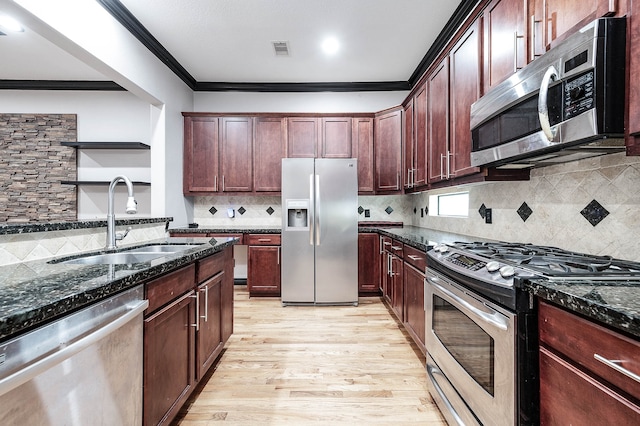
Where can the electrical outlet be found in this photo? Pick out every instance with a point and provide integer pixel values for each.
(421, 212)
(367, 213)
(488, 216)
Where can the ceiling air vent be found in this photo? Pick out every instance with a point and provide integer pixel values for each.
(281, 48)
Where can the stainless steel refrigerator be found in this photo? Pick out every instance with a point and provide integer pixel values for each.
(319, 262)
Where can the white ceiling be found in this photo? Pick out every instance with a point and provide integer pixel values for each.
(230, 40)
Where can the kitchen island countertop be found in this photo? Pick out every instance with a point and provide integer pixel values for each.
(35, 292)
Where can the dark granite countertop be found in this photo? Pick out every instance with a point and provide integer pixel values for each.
(24, 228)
(614, 303)
(239, 230)
(35, 292)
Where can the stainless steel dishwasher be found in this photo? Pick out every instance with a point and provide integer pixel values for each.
(83, 369)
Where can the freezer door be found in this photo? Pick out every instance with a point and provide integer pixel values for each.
(336, 219)
(297, 263)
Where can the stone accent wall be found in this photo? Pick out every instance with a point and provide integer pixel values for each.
(33, 165)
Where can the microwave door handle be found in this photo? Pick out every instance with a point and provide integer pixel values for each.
(543, 108)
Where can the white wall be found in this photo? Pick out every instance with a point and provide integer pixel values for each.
(324, 102)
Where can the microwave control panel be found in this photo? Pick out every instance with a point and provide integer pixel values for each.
(578, 95)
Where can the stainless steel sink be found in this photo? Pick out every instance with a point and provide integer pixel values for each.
(122, 258)
(163, 248)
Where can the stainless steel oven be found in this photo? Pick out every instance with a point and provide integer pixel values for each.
(473, 340)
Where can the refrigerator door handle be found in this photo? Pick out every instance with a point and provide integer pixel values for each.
(318, 206)
(312, 219)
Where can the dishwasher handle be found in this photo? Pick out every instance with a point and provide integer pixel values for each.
(29, 372)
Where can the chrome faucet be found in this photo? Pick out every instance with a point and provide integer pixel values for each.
(132, 208)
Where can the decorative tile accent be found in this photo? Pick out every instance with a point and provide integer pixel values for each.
(594, 212)
(270, 210)
(524, 211)
(415, 210)
(482, 210)
(360, 210)
(389, 210)
(213, 210)
(426, 210)
(241, 210)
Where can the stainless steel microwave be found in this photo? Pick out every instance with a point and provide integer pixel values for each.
(566, 105)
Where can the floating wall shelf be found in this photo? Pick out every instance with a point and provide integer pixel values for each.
(97, 183)
(107, 145)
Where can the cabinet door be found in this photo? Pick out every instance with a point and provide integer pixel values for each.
(368, 263)
(414, 319)
(263, 270)
(564, 16)
(387, 284)
(209, 331)
(169, 358)
(362, 141)
(226, 310)
(465, 89)
(419, 175)
(302, 137)
(336, 137)
(397, 287)
(270, 147)
(388, 150)
(438, 121)
(408, 145)
(236, 154)
(505, 40)
(200, 154)
(633, 39)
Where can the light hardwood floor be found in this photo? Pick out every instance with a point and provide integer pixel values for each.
(314, 365)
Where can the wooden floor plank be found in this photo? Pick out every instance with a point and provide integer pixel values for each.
(314, 365)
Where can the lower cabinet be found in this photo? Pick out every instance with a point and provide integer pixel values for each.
(186, 325)
(368, 264)
(263, 265)
(586, 371)
(414, 275)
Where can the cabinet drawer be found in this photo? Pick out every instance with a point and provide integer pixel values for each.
(263, 239)
(584, 342)
(169, 287)
(415, 258)
(240, 237)
(386, 244)
(209, 266)
(397, 248)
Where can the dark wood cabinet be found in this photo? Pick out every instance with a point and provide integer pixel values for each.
(438, 122)
(263, 265)
(388, 151)
(408, 145)
(466, 88)
(415, 140)
(236, 159)
(368, 264)
(505, 40)
(335, 137)
(581, 381)
(414, 275)
(200, 172)
(302, 137)
(188, 321)
(270, 147)
(396, 274)
(362, 144)
(633, 108)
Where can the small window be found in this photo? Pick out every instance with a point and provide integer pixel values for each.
(455, 204)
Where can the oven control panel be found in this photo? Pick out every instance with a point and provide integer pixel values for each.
(465, 261)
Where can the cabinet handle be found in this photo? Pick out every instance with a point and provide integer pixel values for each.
(215, 183)
(533, 55)
(206, 304)
(222, 183)
(612, 7)
(197, 324)
(449, 157)
(390, 265)
(412, 257)
(442, 157)
(264, 240)
(278, 255)
(398, 180)
(515, 51)
(396, 248)
(615, 364)
(386, 243)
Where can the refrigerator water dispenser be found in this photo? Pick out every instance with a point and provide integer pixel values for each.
(298, 215)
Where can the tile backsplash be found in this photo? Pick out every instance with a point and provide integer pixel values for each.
(590, 206)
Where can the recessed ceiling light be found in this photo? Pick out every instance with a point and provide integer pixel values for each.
(9, 24)
(330, 45)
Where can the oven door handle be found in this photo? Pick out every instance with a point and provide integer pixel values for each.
(543, 108)
(483, 312)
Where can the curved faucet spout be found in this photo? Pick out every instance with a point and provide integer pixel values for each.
(111, 220)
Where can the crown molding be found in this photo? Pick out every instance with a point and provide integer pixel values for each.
(108, 86)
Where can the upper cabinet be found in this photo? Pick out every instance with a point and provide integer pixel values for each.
(315, 137)
(362, 139)
(505, 40)
(217, 154)
(452, 86)
(415, 140)
(270, 147)
(388, 151)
